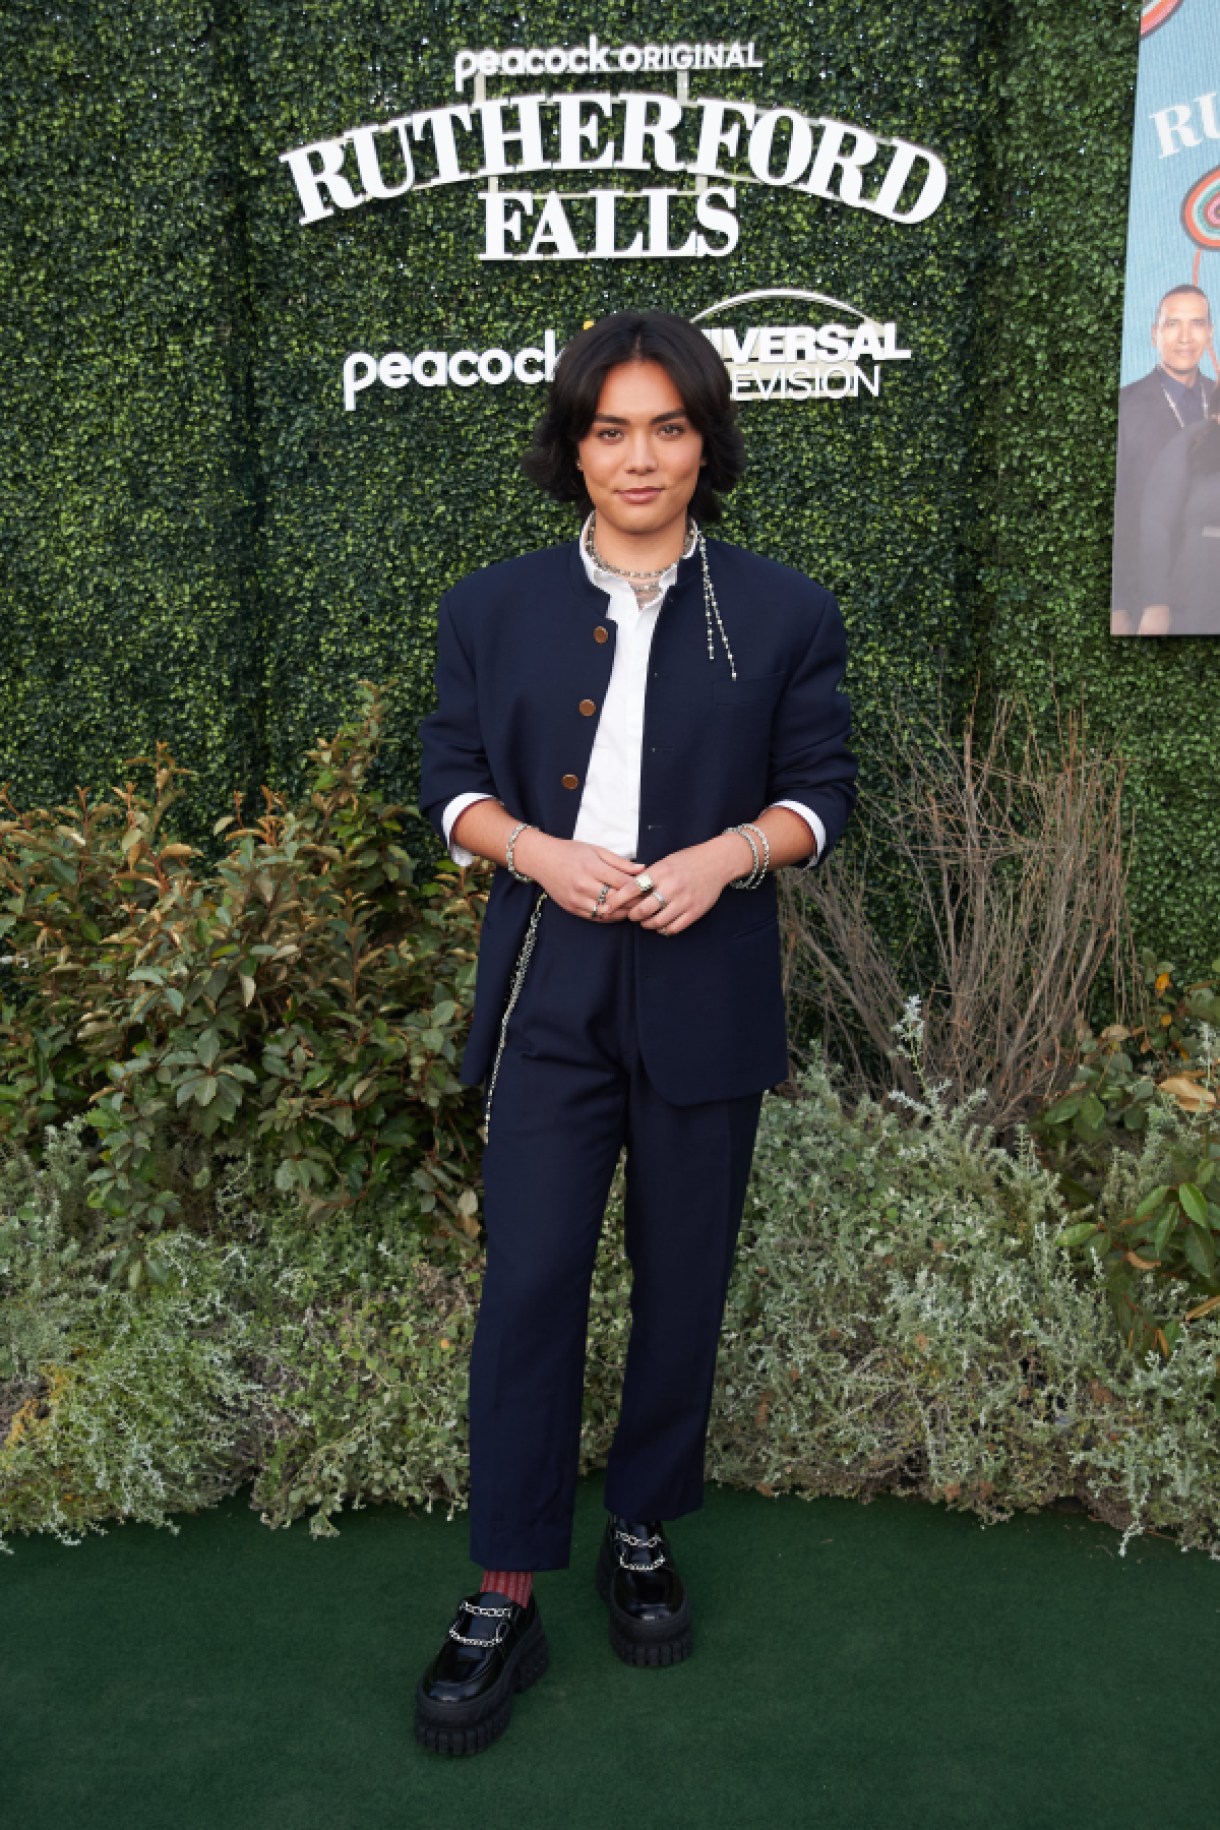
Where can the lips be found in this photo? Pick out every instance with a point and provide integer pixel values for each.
(639, 495)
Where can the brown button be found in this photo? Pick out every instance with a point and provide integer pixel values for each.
(601, 633)
(571, 781)
(587, 708)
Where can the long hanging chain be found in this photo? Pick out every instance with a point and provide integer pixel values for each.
(647, 591)
(523, 960)
(712, 609)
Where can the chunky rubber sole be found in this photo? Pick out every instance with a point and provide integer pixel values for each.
(642, 1642)
(470, 1728)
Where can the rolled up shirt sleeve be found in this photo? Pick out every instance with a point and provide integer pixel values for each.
(815, 826)
(449, 819)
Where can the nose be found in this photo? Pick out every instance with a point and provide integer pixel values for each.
(640, 454)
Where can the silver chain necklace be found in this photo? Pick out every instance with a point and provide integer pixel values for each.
(622, 571)
(711, 609)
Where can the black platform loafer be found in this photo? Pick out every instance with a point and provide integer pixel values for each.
(649, 1607)
(493, 1649)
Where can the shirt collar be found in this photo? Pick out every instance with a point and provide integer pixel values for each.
(1183, 391)
(604, 580)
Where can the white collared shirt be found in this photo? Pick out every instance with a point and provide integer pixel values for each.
(609, 812)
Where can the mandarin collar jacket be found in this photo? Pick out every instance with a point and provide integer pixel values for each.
(520, 645)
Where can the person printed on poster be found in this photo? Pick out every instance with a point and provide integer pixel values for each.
(1180, 533)
(1168, 406)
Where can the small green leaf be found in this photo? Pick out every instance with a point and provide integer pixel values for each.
(1194, 1201)
(1077, 1234)
(1164, 1228)
(1201, 1252)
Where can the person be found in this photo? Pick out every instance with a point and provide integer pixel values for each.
(638, 727)
(1180, 534)
(1152, 411)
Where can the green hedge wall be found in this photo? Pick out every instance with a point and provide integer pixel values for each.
(131, 605)
(200, 544)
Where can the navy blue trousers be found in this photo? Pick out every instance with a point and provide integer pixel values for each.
(571, 1092)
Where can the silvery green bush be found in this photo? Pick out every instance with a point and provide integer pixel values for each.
(904, 1317)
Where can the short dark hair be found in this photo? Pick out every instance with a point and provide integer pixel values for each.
(692, 365)
(1173, 292)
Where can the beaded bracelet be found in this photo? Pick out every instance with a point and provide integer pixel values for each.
(766, 845)
(759, 870)
(514, 835)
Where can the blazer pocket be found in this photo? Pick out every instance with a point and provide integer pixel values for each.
(752, 690)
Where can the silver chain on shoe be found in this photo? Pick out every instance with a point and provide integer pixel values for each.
(625, 1537)
(499, 1615)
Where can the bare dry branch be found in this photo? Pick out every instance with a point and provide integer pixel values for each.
(1011, 853)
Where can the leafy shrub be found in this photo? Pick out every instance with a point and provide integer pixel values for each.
(902, 1318)
(362, 1348)
(303, 997)
(1135, 1144)
(114, 1405)
(1112, 1076)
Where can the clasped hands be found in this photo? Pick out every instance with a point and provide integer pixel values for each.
(572, 873)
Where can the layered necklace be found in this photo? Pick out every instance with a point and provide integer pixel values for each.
(647, 587)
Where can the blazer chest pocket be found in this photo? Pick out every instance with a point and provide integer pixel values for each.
(747, 690)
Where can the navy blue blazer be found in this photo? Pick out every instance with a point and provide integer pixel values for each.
(520, 644)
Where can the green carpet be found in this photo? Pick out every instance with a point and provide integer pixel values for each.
(856, 1668)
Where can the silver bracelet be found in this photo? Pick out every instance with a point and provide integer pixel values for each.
(766, 845)
(514, 835)
(754, 876)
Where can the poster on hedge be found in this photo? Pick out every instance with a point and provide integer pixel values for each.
(1166, 574)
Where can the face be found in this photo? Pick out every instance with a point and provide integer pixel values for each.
(1180, 334)
(641, 456)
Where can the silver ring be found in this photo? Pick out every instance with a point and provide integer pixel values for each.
(662, 901)
(644, 882)
(600, 903)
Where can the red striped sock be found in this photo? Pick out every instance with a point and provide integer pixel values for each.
(517, 1584)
